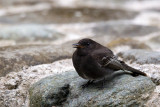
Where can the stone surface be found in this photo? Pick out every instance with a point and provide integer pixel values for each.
(141, 56)
(151, 70)
(154, 100)
(14, 86)
(65, 90)
(132, 43)
(18, 57)
(26, 33)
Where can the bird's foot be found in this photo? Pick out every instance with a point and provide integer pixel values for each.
(102, 85)
(131, 73)
(87, 84)
(134, 74)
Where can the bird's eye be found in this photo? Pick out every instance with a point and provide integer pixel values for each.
(88, 43)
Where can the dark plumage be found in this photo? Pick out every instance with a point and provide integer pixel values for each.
(93, 61)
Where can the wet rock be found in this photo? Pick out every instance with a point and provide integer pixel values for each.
(65, 90)
(123, 29)
(141, 56)
(26, 33)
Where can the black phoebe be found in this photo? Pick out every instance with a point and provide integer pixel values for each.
(93, 61)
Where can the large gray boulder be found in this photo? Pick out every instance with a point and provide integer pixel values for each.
(65, 90)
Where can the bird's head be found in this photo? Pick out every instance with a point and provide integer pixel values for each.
(85, 45)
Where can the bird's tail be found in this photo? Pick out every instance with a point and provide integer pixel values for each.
(133, 70)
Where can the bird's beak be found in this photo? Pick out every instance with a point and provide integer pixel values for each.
(77, 45)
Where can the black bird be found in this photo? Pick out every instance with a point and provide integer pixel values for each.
(93, 61)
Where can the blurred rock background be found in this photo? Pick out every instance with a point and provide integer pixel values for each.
(36, 39)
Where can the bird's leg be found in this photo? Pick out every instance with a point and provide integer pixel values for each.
(87, 84)
(102, 85)
(103, 82)
(134, 74)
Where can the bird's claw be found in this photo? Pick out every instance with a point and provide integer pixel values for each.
(134, 74)
(102, 85)
(87, 84)
(84, 86)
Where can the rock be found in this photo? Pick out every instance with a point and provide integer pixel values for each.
(154, 98)
(66, 15)
(15, 58)
(152, 70)
(65, 90)
(61, 92)
(14, 86)
(26, 33)
(134, 44)
(123, 29)
(140, 56)
(146, 61)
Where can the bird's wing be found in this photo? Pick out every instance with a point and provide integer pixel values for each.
(112, 62)
(108, 60)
